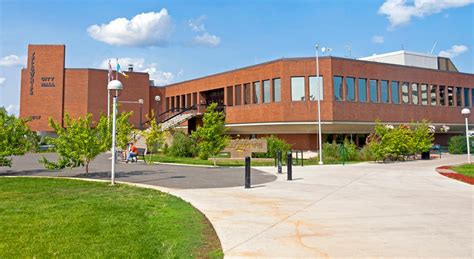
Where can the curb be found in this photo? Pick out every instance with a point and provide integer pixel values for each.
(447, 172)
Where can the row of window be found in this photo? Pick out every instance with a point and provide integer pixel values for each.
(265, 91)
(385, 91)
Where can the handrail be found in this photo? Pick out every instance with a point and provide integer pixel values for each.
(181, 111)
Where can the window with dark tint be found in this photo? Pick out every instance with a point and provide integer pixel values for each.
(414, 93)
(338, 88)
(195, 99)
(188, 100)
(276, 90)
(466, 97)
(450, 96)
(266, 91)
(230, 96)
(297, 89)
(458, 96)
(350, 89)
(246, 93)
(434, 95)
(178, 103)
(362, 89)
(374, 91)
(405, 90)
(256, 92)
(183, 101)
(167, 103)
(442, 95)
(384, 91)
(313, 86)
(395, 92)
(238, 94)
(424, 94)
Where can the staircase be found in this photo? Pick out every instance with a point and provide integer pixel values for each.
(177, 120)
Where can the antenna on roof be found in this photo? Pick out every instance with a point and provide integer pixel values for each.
(349, 48)
(432, 49)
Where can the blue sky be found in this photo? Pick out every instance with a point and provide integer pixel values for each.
(179, 40)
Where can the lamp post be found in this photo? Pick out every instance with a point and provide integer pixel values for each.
(318, 90)
(117, 86)
(140, 102)
(157, 99)
(466, 112)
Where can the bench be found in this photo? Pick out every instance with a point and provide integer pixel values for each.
(141, 152)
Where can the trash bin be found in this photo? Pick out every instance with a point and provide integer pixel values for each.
(425, 155)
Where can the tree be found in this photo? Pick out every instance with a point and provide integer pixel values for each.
(154, 136)
(211, 136)
(423, 137)
(123, 127)
(77, 144)
(16, 138)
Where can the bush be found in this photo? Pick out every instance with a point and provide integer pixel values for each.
(365, 154)
(182, 146)
(330, 152)
(351, 150)
(458, 145)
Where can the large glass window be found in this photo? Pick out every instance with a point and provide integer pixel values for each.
(276, 90)
(230, 96)
(362, 89)
(238, 94)
(450, 96)
(313, 85)
(350, 89)
(434, 95)
(384, 91)
(442, 95)
(266, 91)
(177, 98)
(458, 96)
(414, 93)
(256, 92)
(466, 97)
(195, 99)
(424, 94)
(395, 92)
(247, 93)
(405, 90)
(338, 88)
(297, 89)
(374, 91)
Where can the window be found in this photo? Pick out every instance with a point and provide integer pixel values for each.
(424, 94)
(266, 91)
(395, 92)
(338, 88)
(195, 99)
(297, 89)
(374, 91)
(177, 100)
(414, 93)
(256, 92)
(230, 96)
(313, 85)
(362, 89)
(450, 96)
(238, 94)
(167, 103)
(466, 97)
(246, 93)
(442, 95)
(350, 89)
(188, 100)
(405, 90)
(434, 95)
(276, 90)
(384, 91)
(458, 96)
(183, 101)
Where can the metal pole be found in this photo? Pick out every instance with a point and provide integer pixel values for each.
(318, 85)
(468, 144)
(114, 151)
(247, 172)
(108, 108)
(279, 162)
(289, 165)
(141, 124)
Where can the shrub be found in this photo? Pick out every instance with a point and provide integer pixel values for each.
(182, 146)
(273, 145)
(330, 152)
(458, 145)
(365, 154)
(351, 150)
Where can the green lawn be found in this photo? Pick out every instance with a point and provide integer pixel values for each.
(465, 169)
(42, 218)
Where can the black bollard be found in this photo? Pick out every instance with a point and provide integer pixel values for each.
(279, 161)
(247, 172)
(289, 166)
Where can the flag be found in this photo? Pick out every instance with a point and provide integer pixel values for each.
(119, 70)
(110, 76)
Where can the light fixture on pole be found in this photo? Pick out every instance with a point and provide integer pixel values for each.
(141, 102)
(117, 86)
(318, 90)
(466, 112)
(157, 100)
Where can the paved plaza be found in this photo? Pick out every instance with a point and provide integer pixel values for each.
(402, 209)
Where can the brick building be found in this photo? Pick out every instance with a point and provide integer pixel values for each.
(277, 97)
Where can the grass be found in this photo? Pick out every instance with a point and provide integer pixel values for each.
(466, 169)
(43, 218)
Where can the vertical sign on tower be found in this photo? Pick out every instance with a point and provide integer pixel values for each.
(32, 73)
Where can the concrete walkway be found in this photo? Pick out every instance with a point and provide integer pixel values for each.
(359, 210)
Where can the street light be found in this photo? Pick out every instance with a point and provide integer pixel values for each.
(140, 101)
(318, 90)
(117, 86)
(157, 99)
(466, 113)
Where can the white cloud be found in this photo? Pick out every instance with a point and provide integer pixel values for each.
(2, 80)
(454, 51)
(13, 60)
(400, 12)
(197, 24)
(207, 39)
(13, 109)
(145, 29)
(377, 39)
(160, 77)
